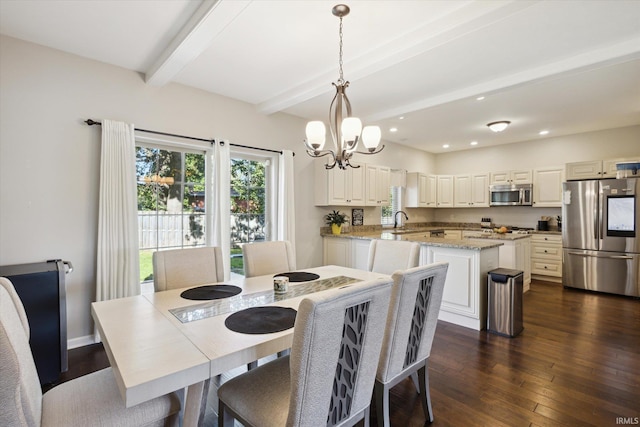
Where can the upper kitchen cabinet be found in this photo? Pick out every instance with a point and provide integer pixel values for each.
(444, 193)
(338, 187)
(471, 191)
(378, 182)
(421, 190)
(594, 169)
(511, 177)
(547, 187)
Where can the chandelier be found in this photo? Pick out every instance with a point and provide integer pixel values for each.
(346, 131)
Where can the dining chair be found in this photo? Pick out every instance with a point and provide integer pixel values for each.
(328, 377)
(180, 268)
(272, 257)
(387, 256)
(411, 325)
(88, 400)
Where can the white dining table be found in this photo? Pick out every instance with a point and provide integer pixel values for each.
(160, 342)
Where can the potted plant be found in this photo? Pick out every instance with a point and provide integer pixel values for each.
(335, 219)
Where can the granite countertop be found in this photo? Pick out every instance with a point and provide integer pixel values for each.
(421, 237)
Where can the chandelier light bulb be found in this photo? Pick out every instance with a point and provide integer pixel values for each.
(371, 136)
(351, 128)
(316, 134)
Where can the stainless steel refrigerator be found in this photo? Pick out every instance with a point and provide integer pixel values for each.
(600, 239)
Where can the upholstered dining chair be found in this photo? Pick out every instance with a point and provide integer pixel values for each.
(328, 377)
(387, 256)
(271, 257)
(411, 324)
(88, 400)
(180, 268)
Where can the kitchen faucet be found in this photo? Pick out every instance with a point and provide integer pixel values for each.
(395, 218)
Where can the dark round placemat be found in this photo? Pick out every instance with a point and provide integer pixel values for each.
(208, 292)
(299, 276)
(261, 320)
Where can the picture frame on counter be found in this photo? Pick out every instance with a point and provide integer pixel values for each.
(357, 216)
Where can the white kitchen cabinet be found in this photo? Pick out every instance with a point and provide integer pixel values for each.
(444, 193)
(515, 254)
(471, 191)
(511, 177)
(360, 254)
(338, 187)
(547, 187)
(421, 190)
(594, 169)
(464, 299)
(378, 184)
(336, 251)
(546, 257)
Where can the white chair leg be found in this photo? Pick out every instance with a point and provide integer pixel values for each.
(423, 375)
(381, 395)
(416, 383)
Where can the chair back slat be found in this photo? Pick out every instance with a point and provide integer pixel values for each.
(412, 318)
(340, 332)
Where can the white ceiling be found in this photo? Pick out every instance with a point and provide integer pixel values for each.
(564, 66)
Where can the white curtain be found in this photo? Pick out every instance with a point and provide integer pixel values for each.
(118, 265)
(218, 206)
(286, 206)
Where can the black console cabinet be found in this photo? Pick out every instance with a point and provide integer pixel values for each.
(41, 287)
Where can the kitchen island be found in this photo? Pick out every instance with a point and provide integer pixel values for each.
(464, 301)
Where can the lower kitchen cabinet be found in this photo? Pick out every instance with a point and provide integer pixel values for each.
(464, 299)
(516, 254)
(546, 257)
(360, 254)
(346, 252)
(336, 251)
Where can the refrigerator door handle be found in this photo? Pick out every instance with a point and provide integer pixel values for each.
(602, 256)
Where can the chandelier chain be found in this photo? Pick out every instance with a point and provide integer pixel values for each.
(341, 79)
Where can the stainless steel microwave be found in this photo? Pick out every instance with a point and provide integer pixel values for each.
(511, 195)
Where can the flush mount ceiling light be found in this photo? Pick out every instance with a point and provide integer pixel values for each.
(347, 132)
(499, 126)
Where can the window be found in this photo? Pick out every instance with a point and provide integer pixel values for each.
(388, 211)
(251, 178)
(171, 200)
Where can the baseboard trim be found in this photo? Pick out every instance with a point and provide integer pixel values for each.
(80, 342)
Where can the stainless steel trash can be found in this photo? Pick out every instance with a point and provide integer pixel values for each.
(504, 314)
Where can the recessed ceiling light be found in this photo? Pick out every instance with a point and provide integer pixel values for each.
(474, 143)
(445, 146)
(401, 118)
(393, 130)
(543, 132)
(480, 98)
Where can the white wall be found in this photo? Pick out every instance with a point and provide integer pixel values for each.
(49, 159)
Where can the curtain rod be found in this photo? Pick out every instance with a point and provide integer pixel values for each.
(91, 122)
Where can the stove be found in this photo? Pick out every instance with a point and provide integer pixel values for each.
(521, 230)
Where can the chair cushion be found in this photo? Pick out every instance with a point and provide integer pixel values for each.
(94, 399)
(17, 302)
(388, 256)
(261, 395)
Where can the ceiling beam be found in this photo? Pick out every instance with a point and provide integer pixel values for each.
(468, 18)
(211, 18)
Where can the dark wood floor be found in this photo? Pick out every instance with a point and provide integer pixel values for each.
(577, 363)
